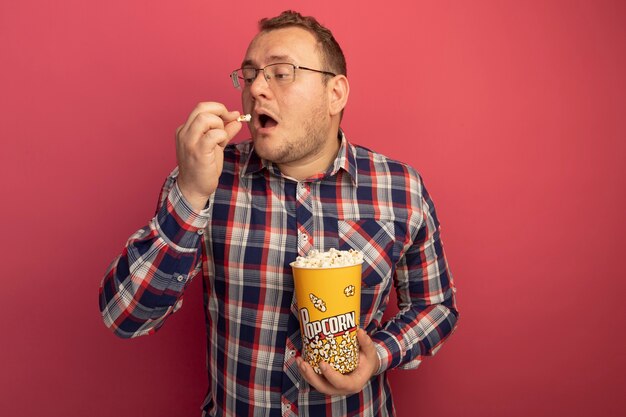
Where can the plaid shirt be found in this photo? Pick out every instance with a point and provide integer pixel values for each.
(254, 225)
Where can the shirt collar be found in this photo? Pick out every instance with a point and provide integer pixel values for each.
(345, 160)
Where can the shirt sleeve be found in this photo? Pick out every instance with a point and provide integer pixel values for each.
(426, 295)
(145, 283)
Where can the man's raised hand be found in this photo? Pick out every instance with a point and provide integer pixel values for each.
(200, 144)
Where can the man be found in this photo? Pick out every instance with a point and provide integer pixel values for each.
(239, 214)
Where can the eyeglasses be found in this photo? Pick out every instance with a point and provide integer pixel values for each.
(279, 73)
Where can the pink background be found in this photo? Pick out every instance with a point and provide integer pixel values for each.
(514, 112)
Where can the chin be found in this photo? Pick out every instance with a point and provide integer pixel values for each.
(265, 150)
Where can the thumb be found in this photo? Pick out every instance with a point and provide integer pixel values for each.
(365, 341)
(368, 349)
(231, 125)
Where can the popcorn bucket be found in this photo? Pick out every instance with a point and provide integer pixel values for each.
(329, 304)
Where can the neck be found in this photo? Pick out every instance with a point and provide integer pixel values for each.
(316, 164)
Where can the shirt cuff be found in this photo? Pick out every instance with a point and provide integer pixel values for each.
(388, 351)
(179, 224)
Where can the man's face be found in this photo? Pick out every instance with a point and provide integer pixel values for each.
(291, 123)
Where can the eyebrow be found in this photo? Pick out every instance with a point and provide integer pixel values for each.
(272, 59)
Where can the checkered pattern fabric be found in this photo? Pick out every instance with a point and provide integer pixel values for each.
(254, 225)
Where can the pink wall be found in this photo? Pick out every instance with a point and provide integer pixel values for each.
(514, 112)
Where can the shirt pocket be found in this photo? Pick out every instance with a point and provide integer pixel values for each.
(375, 239)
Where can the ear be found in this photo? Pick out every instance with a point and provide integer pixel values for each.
(338, 91)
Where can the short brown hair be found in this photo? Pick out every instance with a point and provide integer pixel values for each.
(332, 55)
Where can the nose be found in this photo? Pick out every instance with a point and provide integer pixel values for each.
(260, 86)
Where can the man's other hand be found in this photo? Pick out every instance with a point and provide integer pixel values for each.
(332, 382)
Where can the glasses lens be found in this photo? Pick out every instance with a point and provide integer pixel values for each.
(248, 75)
(234, 77)
(281, 73)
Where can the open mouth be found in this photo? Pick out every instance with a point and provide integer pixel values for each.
(266, 121)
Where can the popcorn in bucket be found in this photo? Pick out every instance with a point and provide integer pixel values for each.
(328, 294)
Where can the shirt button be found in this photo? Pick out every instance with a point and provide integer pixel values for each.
(304, 237)
(200, 232)
(286, 407)
(180, 278)
(292, 353)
